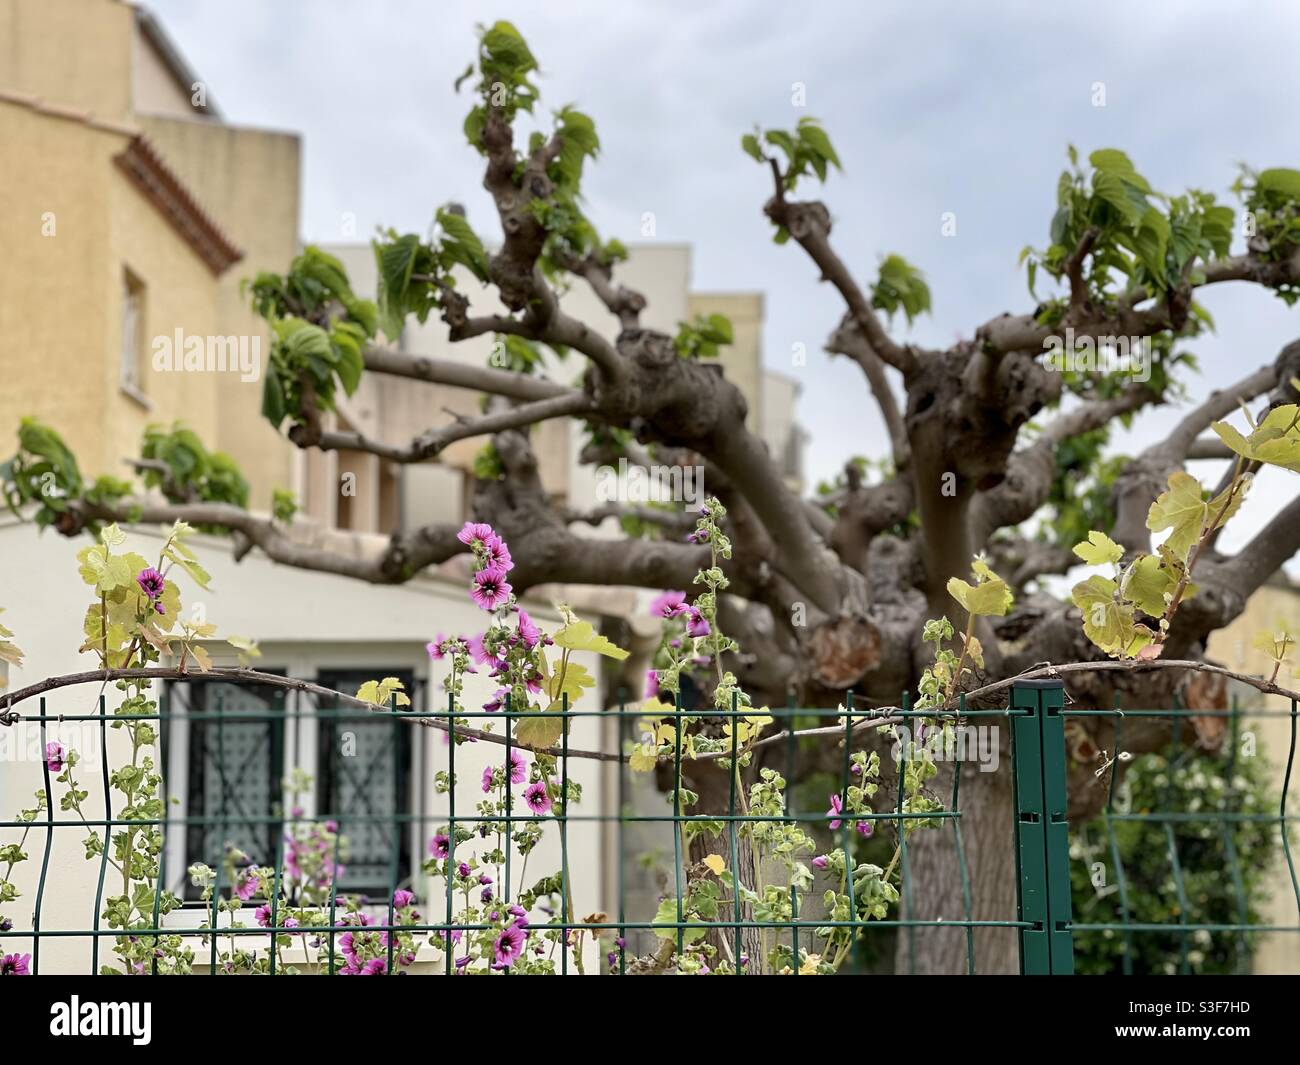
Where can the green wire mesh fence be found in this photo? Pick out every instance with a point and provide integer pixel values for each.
(163, 910)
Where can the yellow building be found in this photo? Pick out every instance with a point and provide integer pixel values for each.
(131, 214)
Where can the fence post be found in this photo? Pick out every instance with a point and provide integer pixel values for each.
(1042, 829)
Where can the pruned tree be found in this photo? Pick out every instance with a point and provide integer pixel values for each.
(997, 443)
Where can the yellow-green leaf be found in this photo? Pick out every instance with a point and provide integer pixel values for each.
(1145, 584)
(580, 636)
(573, 682)
(987, 599)
(1182, 510)
(1099, 550)
(715, 863)
(539, 730)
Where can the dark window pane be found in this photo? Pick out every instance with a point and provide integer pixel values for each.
(235, 769)
(365, 771)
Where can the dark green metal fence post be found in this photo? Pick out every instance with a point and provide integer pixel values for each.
(1042, 829)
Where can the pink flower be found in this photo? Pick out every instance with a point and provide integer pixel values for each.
(508, 946)
(263, 915)
(837, 807)
(528, 632)
(477, 651)
(15, 965)
(537, 799)
(248, 884)
(440, 846)
(820, 862)
(54, 753)
(696, 625)
(518, 767)
(651, 684)
(668, 604)
(435, 649)
(490, 589)
(497, 701)
(864, 829)
(498, 554)
(475, 532)
(487, 779)
(402, 898)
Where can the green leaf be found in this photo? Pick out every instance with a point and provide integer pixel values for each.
(461, 243)
(1281, 180)
(749, 144)
(1146, 582)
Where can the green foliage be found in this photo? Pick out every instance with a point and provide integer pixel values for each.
(1140, 235)
(807, 150)
(505, 67)
(284, 505)
(192, 472)
(1272, 199)
(900, 286)
(702, 338)
(1179, 779)
(44, 472)
(319, 333)
(487, 463)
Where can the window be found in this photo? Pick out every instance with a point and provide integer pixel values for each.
(364, 769)
(229, 772)
(229, 775)
(131, 377)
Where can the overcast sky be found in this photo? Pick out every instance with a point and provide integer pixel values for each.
(933, 108)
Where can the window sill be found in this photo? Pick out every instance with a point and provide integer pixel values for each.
(136, 396)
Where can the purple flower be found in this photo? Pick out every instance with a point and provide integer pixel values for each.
(54, 753)
(153, 585)
(6, 925)
(865, 829)
(462, 869)
(518, 766)
(402, 898)
(820, 862)
(483, 878)
(440, 846)
(348, 945)
(537, 799)
(475, 532)
(17, 964)
(291, 922)
(651, 684)
(668, 604)
(699, 536)
(837, 807)
(498, 554)
(487, 784)
(263, 915)
(490, 588)
(509, 945)
(696, 625)
(435, 649)
(528, 632)
(486, 894)
(497, 701)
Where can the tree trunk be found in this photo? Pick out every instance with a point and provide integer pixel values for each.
(934, 883)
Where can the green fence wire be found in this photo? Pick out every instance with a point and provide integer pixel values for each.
(1038, 837)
